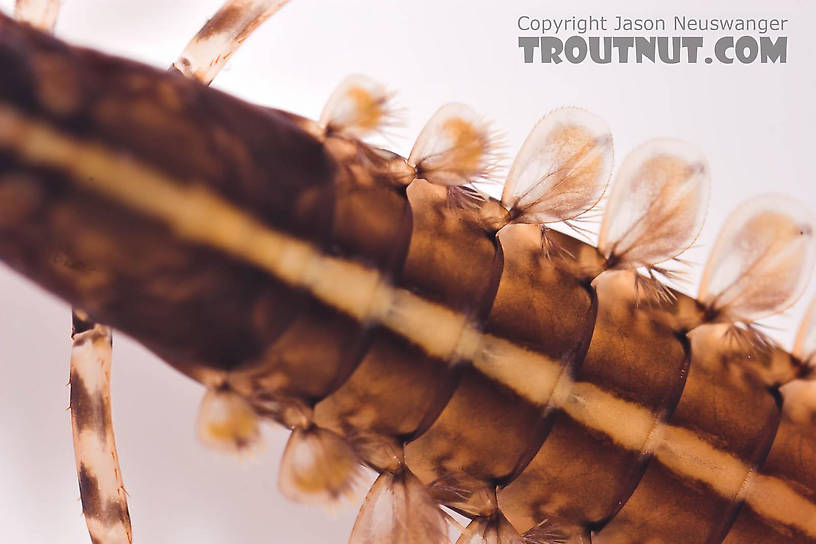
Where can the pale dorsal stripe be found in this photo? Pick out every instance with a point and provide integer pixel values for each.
(197, 214)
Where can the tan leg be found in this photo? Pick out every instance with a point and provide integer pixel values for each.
(214, 44)
(104, 501)
(38, 13)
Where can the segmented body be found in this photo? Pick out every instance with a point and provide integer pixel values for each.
(406, 320)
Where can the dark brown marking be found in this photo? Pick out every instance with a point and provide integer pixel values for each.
(224, 18)
(59, 90)
(20, 196)
(89, 491)
(87, 407)
(80, 323)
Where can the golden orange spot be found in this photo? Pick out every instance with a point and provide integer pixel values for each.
(368, 108)
(227, 421)
(468, 144)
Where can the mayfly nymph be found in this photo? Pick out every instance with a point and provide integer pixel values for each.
(393, 315)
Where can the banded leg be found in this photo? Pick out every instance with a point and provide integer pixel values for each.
(104, 501)
(222, 35)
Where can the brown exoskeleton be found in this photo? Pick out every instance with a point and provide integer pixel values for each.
(393, 315)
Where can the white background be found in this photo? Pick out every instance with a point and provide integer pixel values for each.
(754, 122)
